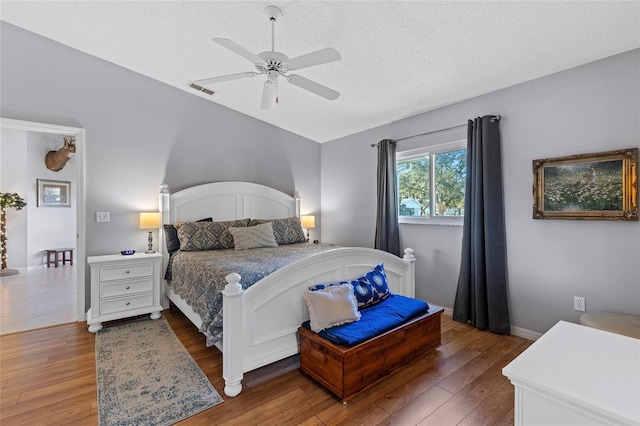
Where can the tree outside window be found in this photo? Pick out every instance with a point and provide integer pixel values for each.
(432, 184)
(450, 176)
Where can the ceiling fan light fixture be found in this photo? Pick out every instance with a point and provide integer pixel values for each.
(275, 64)
(269, 94)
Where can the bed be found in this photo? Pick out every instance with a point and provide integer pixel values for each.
(260, 323)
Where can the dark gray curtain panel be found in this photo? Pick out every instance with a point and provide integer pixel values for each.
(387, 230)
(481, 298)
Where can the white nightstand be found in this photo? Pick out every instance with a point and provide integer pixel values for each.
(124, 286)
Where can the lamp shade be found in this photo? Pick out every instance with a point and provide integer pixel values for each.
(308, 221)
(150, 220)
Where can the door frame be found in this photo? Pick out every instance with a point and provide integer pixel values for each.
(79, 156)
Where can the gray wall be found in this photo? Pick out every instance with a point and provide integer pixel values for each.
(591, 108)
(140, 133)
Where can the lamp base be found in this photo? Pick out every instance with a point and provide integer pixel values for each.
(150, 249)
(7, 272)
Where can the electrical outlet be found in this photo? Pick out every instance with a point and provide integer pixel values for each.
(578, 304)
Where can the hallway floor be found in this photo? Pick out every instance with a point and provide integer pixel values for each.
(38, 298)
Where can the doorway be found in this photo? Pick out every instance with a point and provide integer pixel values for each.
(79, 134)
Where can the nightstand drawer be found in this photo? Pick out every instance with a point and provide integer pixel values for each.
(126, 271)
(126, 287)
(125, 303)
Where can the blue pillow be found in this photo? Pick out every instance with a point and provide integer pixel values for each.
(369, 288)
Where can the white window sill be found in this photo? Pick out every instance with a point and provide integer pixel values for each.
(447, 221)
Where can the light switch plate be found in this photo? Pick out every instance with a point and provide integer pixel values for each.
(102, 217)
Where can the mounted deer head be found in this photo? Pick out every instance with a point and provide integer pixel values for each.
(55, 160)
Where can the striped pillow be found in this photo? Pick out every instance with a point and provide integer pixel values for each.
(253, 237)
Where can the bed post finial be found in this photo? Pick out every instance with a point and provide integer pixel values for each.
(408, 255)
(233, 283)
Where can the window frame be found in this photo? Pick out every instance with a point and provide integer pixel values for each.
(432, 151)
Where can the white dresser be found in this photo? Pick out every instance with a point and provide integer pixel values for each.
(124, 286)
(577, 375)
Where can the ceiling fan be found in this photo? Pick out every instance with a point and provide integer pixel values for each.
(275, 64)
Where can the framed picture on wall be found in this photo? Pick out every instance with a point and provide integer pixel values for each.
(587, 186)
(53, 193)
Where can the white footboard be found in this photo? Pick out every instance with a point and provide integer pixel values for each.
(260, 324)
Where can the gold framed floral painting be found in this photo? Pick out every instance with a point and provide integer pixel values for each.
(600, 186)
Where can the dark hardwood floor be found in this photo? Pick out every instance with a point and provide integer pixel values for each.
(47, 377)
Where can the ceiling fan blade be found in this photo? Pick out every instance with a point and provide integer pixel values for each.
(313, 87)
(239, 50)
(314, 58)
(269, 94)
(222, 78)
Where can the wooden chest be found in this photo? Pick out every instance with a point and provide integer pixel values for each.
(347, 371)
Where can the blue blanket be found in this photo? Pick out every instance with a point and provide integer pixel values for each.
(376, 319)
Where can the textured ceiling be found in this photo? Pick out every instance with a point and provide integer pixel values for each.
(399, 58)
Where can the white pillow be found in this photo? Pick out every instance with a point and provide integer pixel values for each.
(331, 306)
(253, 237)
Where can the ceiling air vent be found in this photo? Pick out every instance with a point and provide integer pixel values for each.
(201, 89)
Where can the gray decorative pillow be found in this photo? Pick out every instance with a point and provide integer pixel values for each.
(198, 236)
(253, 236)
(286, 231)
(171, 236)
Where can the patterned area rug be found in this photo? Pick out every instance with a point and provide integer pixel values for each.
(147, 377)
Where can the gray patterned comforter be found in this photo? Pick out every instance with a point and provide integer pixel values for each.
(199, 276)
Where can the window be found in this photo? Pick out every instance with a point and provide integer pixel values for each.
(431, 183)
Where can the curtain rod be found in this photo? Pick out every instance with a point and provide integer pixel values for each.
(497, 117)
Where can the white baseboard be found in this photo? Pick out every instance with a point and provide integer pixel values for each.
(516, 331)
(525, 333)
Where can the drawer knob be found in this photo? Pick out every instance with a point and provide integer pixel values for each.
(126, 272)
(127, 287)
(127, 303)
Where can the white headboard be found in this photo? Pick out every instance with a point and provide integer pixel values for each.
(225, 201)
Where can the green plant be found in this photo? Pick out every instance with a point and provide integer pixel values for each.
(7, 201)
(13, 200)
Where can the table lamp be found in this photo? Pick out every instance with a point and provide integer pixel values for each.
(150, 221)
(308, 222)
